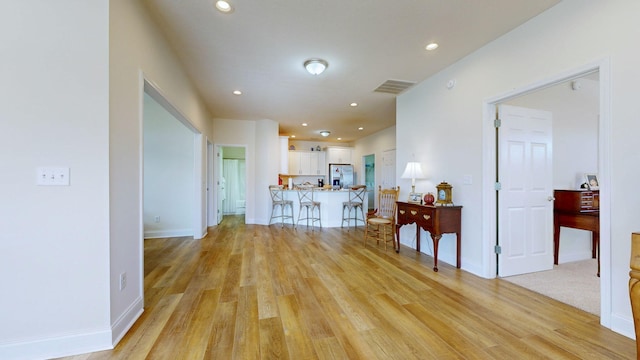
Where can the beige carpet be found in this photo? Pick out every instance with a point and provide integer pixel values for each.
(573, 283)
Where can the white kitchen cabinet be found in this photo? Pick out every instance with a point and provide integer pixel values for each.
(307, 163)
(294, 163)
(339, 155)
(317, 163)
(284, 155)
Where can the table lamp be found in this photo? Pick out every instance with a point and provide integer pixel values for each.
(413, 171)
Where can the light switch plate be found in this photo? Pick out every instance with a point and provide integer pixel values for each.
(52, 176)
(467, 179)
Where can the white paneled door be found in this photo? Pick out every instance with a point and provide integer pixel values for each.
(525, 200)
(389, 169)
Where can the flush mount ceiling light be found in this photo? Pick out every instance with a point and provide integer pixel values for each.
(224, 6)
(325, 133)
(431, 46)
(315, 66)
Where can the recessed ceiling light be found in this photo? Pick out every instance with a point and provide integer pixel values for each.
(353, 104)
(293, 136)
(237, 92)
(305, 124)
(432, 46)
(339, 138)
(360, 128)
(224, 6)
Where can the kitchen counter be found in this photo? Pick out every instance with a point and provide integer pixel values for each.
(331, 206)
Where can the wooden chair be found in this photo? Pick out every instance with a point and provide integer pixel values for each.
(381, 224)
(356, 201)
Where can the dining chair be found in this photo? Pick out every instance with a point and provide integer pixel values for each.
(381, 223)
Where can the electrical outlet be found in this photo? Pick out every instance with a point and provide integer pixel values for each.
(123, 281)
(157, 219)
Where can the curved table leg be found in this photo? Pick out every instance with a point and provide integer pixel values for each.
(436, 241)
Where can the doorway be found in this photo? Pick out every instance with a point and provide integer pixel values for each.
(168, 173)
(230, 180)
(602, 150)
(370, 179)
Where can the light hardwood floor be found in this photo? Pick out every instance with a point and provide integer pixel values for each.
(266, 292)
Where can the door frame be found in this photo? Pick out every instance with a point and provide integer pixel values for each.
(199, 222)
(489, 170)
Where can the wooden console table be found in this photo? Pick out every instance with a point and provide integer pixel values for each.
(437, 220)
(578, 209)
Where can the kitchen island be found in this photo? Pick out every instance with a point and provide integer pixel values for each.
(330, 208)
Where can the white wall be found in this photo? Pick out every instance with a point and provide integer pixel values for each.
(262, 160)
(374, 144)
(54, 243)
(444, 127)
(168, 174)
(138, 50)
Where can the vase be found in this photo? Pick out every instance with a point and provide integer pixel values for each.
(429, 199)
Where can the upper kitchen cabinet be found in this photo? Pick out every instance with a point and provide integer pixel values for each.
(339, 155)
(307, 163)
(284, 155)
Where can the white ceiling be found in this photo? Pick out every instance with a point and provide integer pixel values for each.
(260, 48)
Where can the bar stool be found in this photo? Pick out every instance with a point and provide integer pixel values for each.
(278, 201)
(305, 196)
(356, 201)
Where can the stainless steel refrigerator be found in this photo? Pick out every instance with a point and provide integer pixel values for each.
(341, 176)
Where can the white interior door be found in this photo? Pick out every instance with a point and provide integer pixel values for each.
(388, 169)
(220, 185)
(525, 206)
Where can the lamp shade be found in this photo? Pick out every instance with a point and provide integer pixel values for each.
(413, 171)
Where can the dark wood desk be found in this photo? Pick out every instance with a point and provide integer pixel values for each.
(437, 220)
(578, 209)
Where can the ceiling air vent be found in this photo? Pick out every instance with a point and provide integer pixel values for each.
(394, 86)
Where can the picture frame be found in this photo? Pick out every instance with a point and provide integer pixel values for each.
(415, 198)
(592, 181)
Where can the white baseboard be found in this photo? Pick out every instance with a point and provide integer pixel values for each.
(73, 344)
(573, 256)
(59, 346)
(623, 325)
(125, 321)
(155, 234)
